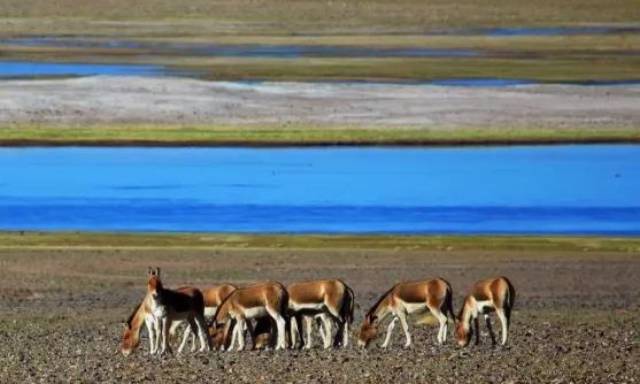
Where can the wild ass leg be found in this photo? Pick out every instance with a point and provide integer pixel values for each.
(476, 324)
(193, 342)
(201, 327)
(319, 322)
(345, 334)
(308, 325)
(280, 325)
(487, 320)
(342, 335)
(327, 321)
(151, 331)
(390, 327)
(252, 333)
(442, 319)
(241, 326)
(335, 314)
(234, 334)
(191, 329)
(165, 334)
(505, 325)
(157, 326)
(405, 326)
(295, 330)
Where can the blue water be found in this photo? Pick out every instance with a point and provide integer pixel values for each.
(591, 189)
(28, 69)
(9, 69)
(283, 51)
(542, 31)
(562, 31)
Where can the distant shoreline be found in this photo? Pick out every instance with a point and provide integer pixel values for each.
(175, 136)
(90, 240)
(293, 144)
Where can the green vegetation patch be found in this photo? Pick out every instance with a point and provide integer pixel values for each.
(393, 242)
(298, 135)
(206, 17)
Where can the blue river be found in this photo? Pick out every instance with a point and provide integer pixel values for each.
(588, 189)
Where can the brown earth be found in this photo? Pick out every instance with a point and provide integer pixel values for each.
(577, 316)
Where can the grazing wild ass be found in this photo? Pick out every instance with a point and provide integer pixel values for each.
(252, 302)
(185, 304)
(406, 298)
(131, 334)
(213, 296)
(327, 300)
(486, 296)
(143, 314)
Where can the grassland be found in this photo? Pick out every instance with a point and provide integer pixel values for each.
(177, 135)
(541, 70)
(543, 59)
(279, 17)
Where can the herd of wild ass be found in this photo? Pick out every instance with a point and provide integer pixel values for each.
(280, 311)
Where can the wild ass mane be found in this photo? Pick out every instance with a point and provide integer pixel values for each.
(133, 314)
(375, 306)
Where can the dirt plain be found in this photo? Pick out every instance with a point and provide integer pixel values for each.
(577, 315)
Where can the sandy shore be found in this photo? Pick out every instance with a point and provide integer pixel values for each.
(105, 99)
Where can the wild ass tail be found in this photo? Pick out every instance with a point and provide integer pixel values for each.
(348, 305)
(509, 300)
(448, 302)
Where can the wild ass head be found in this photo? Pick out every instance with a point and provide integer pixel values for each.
(463, 330)
(131, 333)
(368, 331)
(154, 285)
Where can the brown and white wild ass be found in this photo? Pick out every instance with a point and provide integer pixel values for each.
(327, 300)
(131, 334)
(404, 299)
(251, 302)
(214, 296)
(486, 296)
(185, 304)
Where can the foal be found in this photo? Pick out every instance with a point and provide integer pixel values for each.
(486, 296)
(406, 298)
(186, 304)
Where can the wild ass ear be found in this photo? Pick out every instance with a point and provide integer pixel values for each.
(158, 271)
(149, 271)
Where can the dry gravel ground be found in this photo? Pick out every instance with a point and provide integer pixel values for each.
(577, 316)
(105, 99)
